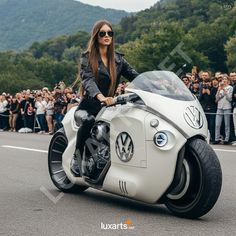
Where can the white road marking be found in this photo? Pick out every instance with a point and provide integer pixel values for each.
(224, 150)
(24, 148)
(44, 151)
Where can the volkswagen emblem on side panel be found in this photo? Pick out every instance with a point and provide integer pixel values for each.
(124, 147)
(193, 117)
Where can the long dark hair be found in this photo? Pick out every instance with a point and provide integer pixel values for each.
(93, 50)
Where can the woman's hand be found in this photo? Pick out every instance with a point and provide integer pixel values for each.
(108, 100)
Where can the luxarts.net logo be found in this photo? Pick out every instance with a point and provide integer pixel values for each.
(125, 225)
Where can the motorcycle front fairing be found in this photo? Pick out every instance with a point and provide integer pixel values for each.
(165, 95)
(150, 171)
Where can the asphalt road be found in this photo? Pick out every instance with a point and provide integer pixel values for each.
(31, 205)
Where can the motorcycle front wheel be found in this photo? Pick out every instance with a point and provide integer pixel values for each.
(58, 176)
(200, 182)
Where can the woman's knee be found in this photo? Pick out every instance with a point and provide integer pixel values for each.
(83, 117)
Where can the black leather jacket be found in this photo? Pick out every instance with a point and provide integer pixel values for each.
(91, 87)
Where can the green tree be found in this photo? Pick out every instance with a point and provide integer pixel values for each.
(230, 48)
(166, 48)
(72, 54)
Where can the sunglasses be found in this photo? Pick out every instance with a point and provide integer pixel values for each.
(104, 33)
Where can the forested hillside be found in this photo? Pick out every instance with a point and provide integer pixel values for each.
(24, 21)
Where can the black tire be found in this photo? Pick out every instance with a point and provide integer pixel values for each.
(200, 183)
(58, 176)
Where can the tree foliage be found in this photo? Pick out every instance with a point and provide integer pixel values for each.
(230, 48)
(167, 36)
(205, 27)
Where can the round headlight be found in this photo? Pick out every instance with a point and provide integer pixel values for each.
(160, 139)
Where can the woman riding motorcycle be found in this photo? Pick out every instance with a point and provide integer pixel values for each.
(100, 71)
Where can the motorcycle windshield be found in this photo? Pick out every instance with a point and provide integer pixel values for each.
(164, 83)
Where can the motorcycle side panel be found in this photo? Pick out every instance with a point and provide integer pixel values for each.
(130, 121)
(151, 170)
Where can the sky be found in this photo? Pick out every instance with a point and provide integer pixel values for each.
(127, 5)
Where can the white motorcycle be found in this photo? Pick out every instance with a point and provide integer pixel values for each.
(150, 146)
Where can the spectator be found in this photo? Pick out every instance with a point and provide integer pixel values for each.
(14, 111)
(27, 111)
(224, 107)
(207, 100)
(187, 82)
(204, 75)
(40, 106)
(215, 82)
(60, 106)
(49, 113)
(233, 80)
(68, 90)
(72, 100)
(195, 88)
(3, 112)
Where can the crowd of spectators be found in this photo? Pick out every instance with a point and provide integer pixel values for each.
(42, 111)
(38, 111)
(217, 95)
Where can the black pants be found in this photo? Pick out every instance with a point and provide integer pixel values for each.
(85, 118)
(211, 120)
(4, 120)
(29, 121)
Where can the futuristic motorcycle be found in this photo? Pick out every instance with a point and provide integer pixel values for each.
(150, 146)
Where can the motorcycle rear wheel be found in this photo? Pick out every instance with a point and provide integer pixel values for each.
(58, 176)
(200, 182)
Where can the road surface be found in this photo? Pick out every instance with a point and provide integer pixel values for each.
(31, 205)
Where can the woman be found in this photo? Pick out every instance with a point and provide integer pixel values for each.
(49, 108)
(3, 112)
(14, 111)
(224, 108)
(100, 71)
(40, 106)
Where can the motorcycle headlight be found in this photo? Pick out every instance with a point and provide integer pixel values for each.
(160, 139)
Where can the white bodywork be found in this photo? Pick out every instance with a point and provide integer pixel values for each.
(150, 172)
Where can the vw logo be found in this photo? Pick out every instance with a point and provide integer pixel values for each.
(193, 117)
(124, 147)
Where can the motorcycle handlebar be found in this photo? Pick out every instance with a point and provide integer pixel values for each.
(122, 99)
